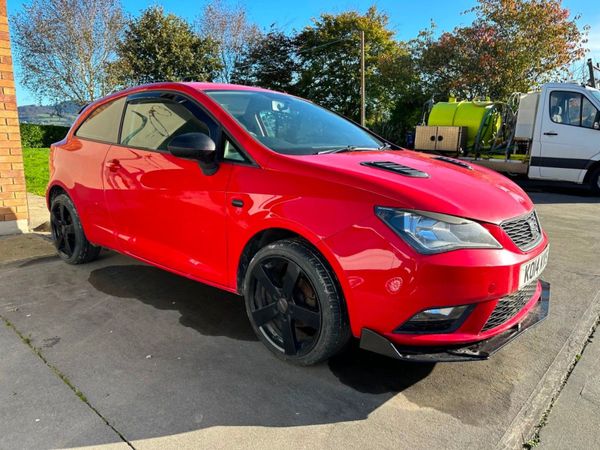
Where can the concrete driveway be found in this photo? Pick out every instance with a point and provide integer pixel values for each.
(130, 355)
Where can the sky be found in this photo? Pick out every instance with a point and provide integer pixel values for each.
(406, 17)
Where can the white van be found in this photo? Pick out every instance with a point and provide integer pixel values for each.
(561, 125)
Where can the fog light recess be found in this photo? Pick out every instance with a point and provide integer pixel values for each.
(436, 320)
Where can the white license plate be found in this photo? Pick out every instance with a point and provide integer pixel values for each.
(532, 269)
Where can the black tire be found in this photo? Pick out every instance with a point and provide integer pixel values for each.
(299, 294)
(595, 181)
(67, 233)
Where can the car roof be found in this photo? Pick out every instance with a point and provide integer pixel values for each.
(208, 86)
(202, 86)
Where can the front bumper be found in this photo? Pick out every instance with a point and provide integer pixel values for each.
(481, 350)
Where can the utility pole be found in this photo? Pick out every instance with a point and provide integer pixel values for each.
(362, 78)
(592, 81)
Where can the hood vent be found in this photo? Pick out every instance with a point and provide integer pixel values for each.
(456, 162)
(397, 168)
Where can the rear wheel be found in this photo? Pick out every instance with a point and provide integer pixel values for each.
(595, 181)
(294, 304)
(69, 239)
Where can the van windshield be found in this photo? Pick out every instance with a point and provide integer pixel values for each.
(289, 125)
(596, 93)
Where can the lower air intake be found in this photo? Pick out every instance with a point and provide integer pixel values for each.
(509, 306)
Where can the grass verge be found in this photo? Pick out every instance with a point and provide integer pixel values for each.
(35, 161)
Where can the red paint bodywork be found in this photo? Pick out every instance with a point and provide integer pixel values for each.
(163, 210)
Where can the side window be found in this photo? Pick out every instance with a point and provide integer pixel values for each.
(590, 117)
(103, 122)
(565, 107)
(152, 122)
(231, 152)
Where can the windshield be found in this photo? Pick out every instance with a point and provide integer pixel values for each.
(596, 94)
(290, 125)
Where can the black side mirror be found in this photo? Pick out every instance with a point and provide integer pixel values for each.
(196, 146)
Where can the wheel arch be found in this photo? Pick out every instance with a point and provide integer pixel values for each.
(269, 235)
(591, 170)
(53, 190)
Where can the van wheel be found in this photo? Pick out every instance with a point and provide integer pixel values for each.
(595, 181)
(69, 239)
(294, 304)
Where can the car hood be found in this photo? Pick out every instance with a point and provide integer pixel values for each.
(472, 192)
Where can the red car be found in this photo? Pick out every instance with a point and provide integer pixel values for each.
(326, 229)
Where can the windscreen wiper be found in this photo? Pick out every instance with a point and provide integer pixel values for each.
(349, 148)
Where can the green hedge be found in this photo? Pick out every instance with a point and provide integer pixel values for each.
(41, 136)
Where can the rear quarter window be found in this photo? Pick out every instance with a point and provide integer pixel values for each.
(103, 123)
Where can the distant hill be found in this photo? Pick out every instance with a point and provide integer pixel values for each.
(62, 114)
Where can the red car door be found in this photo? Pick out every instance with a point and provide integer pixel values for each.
(166, 211)
(86, 151)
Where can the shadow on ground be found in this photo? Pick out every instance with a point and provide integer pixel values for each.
(210, 311)
(213, 312)
(159, 355)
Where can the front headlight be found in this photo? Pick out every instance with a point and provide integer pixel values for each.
(430, 233)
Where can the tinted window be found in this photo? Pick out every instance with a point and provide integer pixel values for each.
(152, 122)
(589, 115)
(571, 108)
(231, 152)
(290, 125)
(565, 107)
(103, 122)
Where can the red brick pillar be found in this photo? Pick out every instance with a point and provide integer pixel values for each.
(13, 197)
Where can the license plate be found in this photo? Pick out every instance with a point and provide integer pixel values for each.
(532, 269)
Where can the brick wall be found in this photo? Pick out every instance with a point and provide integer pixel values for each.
(13, 197)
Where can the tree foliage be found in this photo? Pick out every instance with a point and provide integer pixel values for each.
(81, 49)
(228, 26)
(329, 56)
(512, 45)
(63, 47)
(163, 47)
(269, 61)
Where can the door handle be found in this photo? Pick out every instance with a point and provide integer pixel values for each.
(113, 165)
(238, 203)
(550, 133)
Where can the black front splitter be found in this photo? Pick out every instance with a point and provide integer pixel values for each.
(479, 351)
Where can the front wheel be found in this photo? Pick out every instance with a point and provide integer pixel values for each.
(294, 304)
(69, 239)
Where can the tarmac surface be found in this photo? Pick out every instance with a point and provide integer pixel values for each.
(120, 353)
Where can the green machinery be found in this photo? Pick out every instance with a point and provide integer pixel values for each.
(488, 125)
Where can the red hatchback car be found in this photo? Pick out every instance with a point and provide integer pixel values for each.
(326, 229)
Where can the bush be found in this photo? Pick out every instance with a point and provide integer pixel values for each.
(41, 136)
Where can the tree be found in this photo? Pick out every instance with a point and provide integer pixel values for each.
(63, 47)
(268, 62)
(329, 54)
(512, 45)
(163, 47)
(228, 26)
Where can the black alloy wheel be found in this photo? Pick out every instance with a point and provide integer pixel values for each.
(293, 303)
(286, 307)
(69, 239)
(63, 230)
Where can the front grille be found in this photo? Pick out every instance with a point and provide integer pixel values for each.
(509, 306)
(524, 231)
